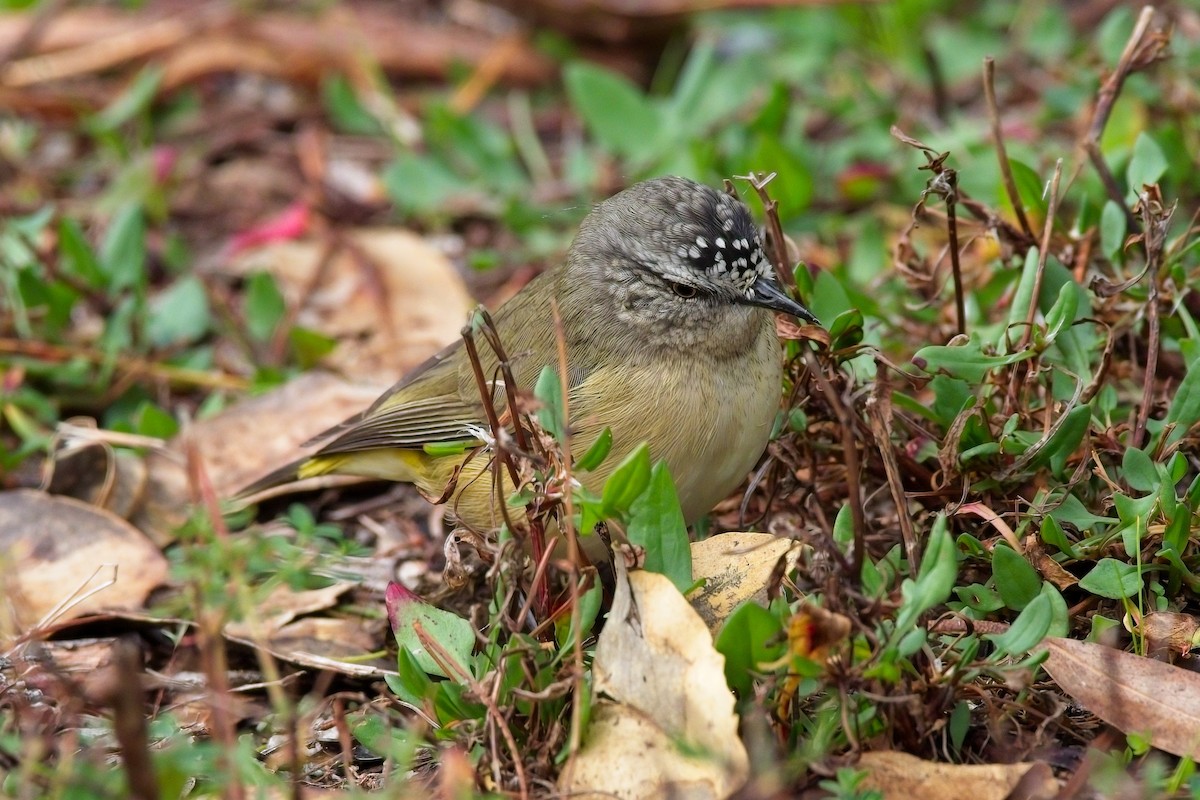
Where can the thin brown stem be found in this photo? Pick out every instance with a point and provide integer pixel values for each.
(1010, 184)
(1043, 252)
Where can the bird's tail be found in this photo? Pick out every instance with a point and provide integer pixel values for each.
(403, 466)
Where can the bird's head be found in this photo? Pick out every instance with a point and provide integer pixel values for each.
(672, 255)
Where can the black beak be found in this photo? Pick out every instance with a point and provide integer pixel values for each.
(767, 294)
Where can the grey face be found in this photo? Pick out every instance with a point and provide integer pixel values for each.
(681, 253)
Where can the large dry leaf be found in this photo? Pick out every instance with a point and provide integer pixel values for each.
(1132, 693)
(902, 775)
(736, 567)
(56, 550)
(666, 714)
(244, 442)
(388, 297)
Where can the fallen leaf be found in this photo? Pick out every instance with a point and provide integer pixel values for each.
(244, 442)
(57, 550)
(736, 567)
(387, 296)
(283, 605)
(1132, 693)
(1170, 635)
(666, 714)
(101, 476)
(898, 774)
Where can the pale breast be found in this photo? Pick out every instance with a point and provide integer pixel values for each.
(709, 420)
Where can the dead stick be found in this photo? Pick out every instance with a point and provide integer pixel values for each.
(1010, 184)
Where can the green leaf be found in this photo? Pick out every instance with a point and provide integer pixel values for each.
(656, 523)
(1022, 297)
(1184, 411)
(596, 454)
(1139, 471)
(935, 580)
(793, 184)
(751, 636)
(263, 306)
(180, 314)
(1027, 630)
(129, 103)
(979, 598)
(1053, 534)
(1112, 230)
(1030, 187)
(309, 346)
(1016, 579)
(617, 113)
(77, 256)
(966, 361)
(150, 420)
(626, 482)
(548, 389)
(123, 253)
(453, 633)
(1147, 165)
(1112, 579)
(1062, 314)
(1060, 615)
(412, 683)
(345, 110)
(420, 184)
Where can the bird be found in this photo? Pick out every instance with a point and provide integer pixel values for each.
(667, 301)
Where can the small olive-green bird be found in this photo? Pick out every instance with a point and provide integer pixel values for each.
(666, 299)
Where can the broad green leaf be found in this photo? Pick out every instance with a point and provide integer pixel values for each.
(751, 636)
(1147, 165)
(129, 103)
(263, 306)
(979, 598)
(1139, 471)
(1030, 187)
(617, 113)
(123, 253)
(347, 113)
(548, 389)
(1016, 579)
(966, 361)
(180, 314)
(1184, 411)
(596, 454)
(77, 255)
(656, 523)
(934, 581)
(1112, 230)
(1027, 630)
(151, 420)
(627, 481)
(1112, 579)
(1053, 534)
(420, 184)
(407, 613)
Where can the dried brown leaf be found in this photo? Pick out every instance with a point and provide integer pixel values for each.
(737, 567)
(1132, 693)
(898, 774)
(55, 551)
(663, 686)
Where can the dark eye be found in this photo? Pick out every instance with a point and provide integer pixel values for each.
(683, 289)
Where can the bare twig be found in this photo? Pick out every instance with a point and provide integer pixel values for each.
(779, 258)
(880, 408)
(1139, 53)
(449, 663)
(850, 448)
(1043, 252)
(1010, 184)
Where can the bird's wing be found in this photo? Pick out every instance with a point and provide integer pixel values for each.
(424, 408)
